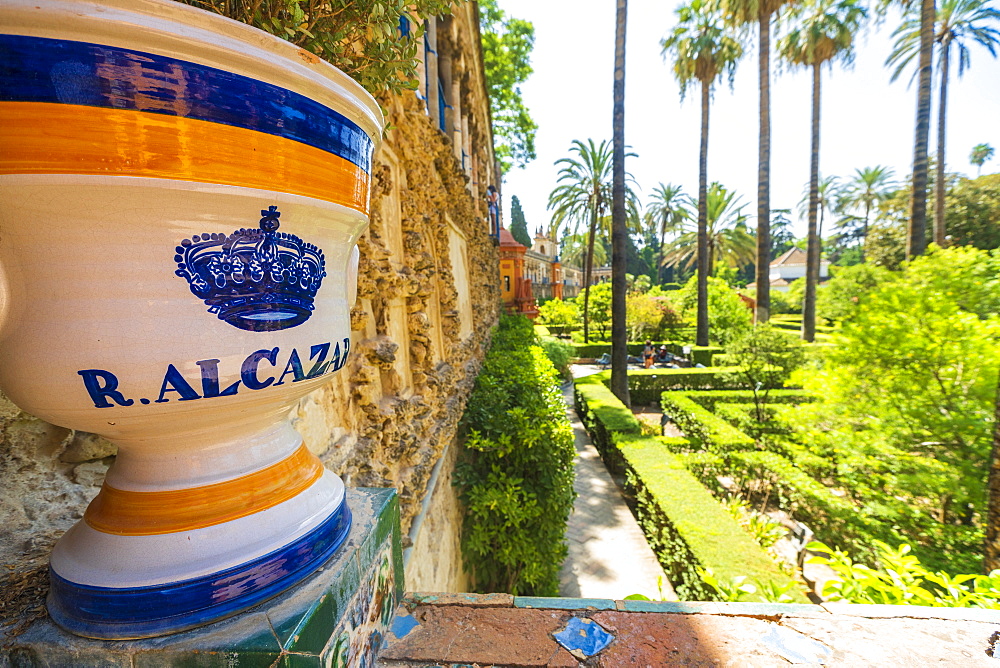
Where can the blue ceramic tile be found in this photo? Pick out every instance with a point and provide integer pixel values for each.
(402, 624)
(584, 635)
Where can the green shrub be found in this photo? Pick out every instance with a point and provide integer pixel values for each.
(362, 39)
(560, 354)
(516, 473)
(901, 579)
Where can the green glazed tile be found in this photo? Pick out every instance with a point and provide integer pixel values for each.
(314, 632)
(564, 603)
(300, 661)
(686, 607)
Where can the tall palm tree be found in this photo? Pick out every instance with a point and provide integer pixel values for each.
(829, 195)
(960, 23)
(915, 39)
(863, 191)
(665, 214)
(980, 154)
(820, 32)
(749, 13)
(581, 197)
(702, 49)
(728, 239)
(619, 233)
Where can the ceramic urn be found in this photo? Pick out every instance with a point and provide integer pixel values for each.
(180, 201)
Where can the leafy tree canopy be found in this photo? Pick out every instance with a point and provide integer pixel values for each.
(728, 316)
(917, 360)
(507, 44)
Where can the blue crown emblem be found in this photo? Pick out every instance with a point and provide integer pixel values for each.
(258, 280)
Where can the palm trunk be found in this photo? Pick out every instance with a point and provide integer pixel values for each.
(939, 201)
(991, 553)
(764, 174)
(701, 332)
(812, 246)
(588, 266)
(619, 231)
(659, 262)
(864, 239)
(916, 241)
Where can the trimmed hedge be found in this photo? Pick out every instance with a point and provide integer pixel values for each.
(685, 525)
(698, 355)
(646, 385)
(709, 399)
(705, 429)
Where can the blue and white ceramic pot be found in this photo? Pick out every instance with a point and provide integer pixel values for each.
(180, 199)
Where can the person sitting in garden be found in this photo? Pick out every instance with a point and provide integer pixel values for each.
(647, 354)
(662, 356)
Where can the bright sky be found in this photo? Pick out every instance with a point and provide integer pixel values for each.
(866, 121)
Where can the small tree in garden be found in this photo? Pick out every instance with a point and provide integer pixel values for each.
(599, 309)
(558, 312)
(766, 356)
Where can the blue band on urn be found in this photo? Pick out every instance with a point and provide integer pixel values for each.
(38, 69)
(137, 612)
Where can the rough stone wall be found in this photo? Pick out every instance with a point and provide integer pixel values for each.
(420, 329)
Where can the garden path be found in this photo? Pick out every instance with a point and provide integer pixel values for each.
(608, 553)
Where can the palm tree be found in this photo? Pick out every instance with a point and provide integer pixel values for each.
(821, 32)
(747, 13)
(619, 233)
(702, 49)
(728, 239)
(574, 251)
(867, 187)
(829, 194)
(582, 196)
(980, 154)
(959, 23)
(666, 212)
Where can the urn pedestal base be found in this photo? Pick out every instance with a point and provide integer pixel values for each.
(336, 616)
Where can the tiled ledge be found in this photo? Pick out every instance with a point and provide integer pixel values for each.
(503, 630)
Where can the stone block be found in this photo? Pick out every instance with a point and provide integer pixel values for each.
(86, 447)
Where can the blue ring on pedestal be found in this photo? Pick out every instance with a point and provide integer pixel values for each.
(112, 613)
